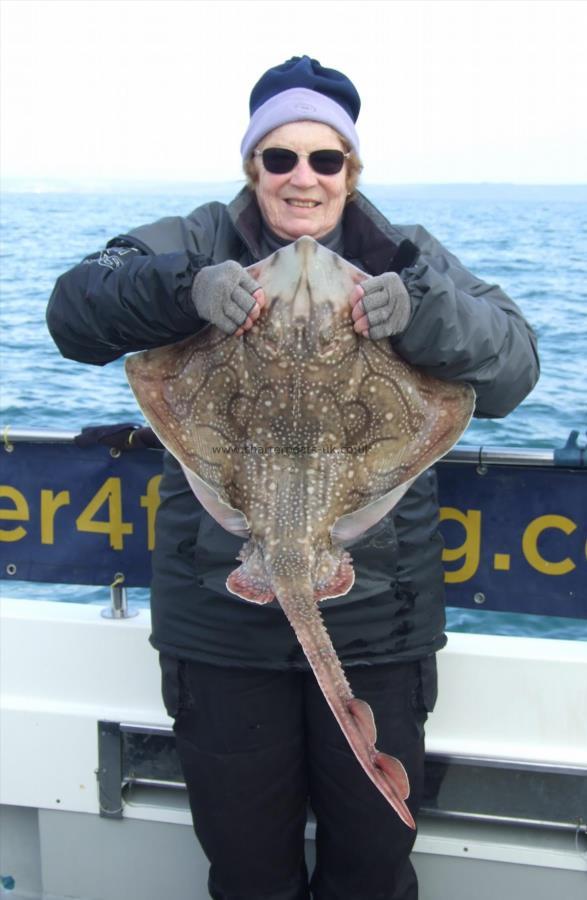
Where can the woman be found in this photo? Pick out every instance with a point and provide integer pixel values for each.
(254, 735)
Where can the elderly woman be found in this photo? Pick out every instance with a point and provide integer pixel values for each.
(254, 735)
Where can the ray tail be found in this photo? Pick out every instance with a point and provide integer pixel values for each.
(354, 716)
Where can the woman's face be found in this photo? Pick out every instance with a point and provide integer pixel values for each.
(301, 201)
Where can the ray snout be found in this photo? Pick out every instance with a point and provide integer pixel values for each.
(306, 248)
(308, 289)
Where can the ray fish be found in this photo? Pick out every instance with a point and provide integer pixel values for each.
(298, 437)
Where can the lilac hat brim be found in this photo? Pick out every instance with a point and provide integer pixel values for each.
(297, 105)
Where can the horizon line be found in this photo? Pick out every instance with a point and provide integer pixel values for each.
(33, 182)
(242, 179)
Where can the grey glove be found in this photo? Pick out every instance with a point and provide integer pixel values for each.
(222, 295)
(386, 303)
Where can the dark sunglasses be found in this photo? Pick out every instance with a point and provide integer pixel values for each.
(279, 160)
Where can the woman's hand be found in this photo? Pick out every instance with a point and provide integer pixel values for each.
(228, 297)
(381, 306)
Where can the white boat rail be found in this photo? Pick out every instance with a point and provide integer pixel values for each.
(480, 456)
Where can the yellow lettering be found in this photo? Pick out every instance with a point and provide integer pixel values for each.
(113, 526)
(50, 503)
(20, 512)
(530, 544)
(501, 562)
(470, 550)
(150, 501)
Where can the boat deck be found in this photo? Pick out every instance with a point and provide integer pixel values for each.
(87, 761)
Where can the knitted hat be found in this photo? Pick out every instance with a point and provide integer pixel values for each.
(302, 89)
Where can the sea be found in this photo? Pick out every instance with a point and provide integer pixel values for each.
(531, 240)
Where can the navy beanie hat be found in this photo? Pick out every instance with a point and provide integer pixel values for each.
(303, 72)
(302, 89)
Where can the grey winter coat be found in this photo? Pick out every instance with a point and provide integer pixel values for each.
(136, 294)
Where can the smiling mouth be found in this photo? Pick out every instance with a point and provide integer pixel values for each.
(303, 204)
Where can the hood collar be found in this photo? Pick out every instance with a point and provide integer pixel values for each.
(370, 241)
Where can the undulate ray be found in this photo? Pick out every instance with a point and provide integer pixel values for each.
(299, 436)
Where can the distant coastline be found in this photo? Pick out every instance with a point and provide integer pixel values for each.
(483, 191)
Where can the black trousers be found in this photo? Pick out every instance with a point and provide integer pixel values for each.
(256, 745)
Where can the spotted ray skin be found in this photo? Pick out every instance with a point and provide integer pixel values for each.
(299, 436)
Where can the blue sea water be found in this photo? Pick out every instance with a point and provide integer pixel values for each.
(530, 241)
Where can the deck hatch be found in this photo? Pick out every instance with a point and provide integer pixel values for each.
(456, 787)
(503, 791)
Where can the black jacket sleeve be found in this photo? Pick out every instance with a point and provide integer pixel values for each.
(464, 329)
(124, 299)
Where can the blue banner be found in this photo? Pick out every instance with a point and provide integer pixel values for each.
(514, 536)
(77, 516)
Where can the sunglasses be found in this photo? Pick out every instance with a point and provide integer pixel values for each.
(279, 161)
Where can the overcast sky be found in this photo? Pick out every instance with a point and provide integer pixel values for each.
(452, 90)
